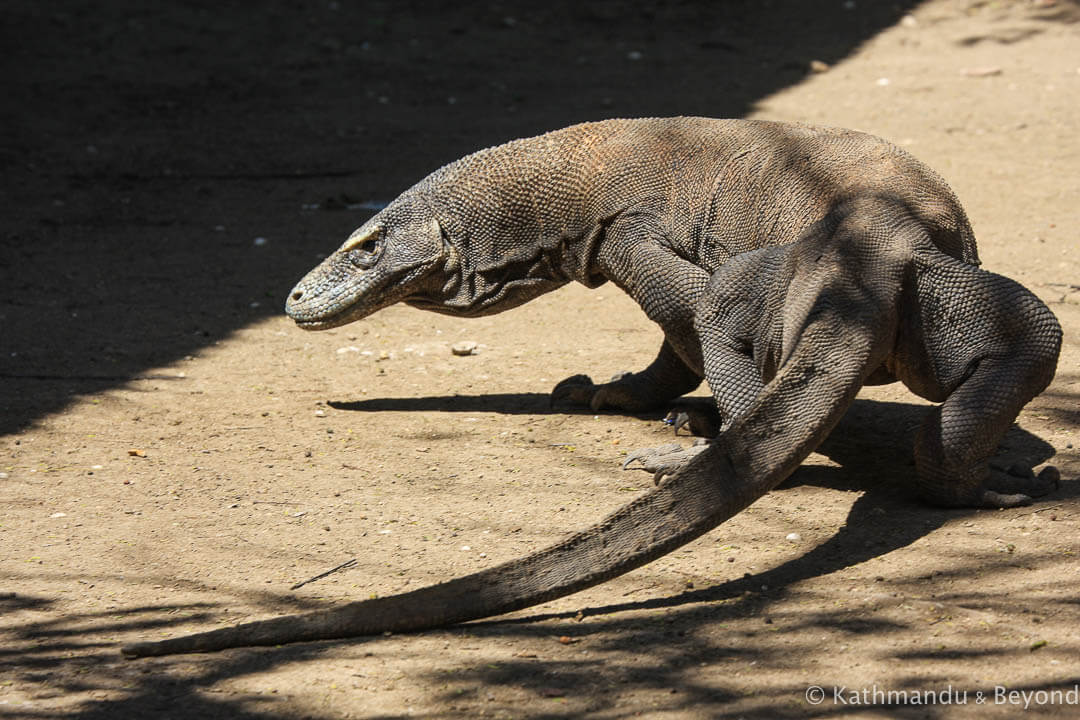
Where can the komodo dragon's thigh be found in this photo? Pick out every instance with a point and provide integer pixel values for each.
(986, 346)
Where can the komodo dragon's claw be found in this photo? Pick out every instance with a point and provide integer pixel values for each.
(575, 390)
(617, 393)
(678, 420)
(643, 455)
(663, 460)
(1018, 486)
(698, 415)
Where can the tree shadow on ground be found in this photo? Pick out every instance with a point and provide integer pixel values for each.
(668, 635)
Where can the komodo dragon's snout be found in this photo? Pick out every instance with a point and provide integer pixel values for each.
(389, 259)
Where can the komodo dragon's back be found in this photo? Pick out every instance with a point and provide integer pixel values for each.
(722, 187)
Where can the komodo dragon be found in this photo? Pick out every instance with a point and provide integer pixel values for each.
(861, 269)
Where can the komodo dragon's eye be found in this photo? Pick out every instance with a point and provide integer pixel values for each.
(364, 251)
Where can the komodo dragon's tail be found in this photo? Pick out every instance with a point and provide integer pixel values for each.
(675, 513)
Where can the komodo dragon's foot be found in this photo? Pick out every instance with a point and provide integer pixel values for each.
(664, 460)
(625, 391)
(697, 414)
(1017, 486)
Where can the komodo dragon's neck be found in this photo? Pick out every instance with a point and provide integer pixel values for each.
(526, 217)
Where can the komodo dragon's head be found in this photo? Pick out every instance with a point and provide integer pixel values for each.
(393, 257)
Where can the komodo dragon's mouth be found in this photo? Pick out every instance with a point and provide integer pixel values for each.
(326, 323)
(318, 324)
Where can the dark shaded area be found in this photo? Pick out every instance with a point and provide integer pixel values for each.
(146, 147)
(871, 446)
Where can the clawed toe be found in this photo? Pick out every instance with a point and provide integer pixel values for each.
(576, 390)
(1018, 486)
(581, 390)
(699, 418)
(647, 456)
(663, 460)
(678, 420)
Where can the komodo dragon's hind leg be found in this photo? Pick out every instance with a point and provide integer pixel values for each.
(761, 305)
(994, 346)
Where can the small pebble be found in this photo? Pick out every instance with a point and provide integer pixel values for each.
(320, 413)
(465, 347)
(981, 71)
(794, 537)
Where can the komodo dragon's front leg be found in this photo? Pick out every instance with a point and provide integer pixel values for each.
(667, 287)
(666, 378)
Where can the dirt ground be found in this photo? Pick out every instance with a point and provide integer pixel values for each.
(176, 454)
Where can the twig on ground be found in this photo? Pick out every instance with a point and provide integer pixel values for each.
(320, 576)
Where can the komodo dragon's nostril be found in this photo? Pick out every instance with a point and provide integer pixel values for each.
(297, 295)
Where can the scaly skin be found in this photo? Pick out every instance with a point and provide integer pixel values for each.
(863, 273)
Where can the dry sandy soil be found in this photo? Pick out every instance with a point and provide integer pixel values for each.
(145, 151)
